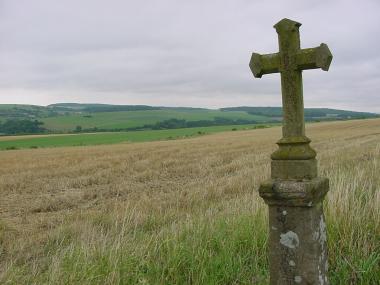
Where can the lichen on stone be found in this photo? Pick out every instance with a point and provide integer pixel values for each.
(289, 239)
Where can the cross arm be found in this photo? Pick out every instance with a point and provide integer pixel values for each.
(311, 58)
(264, 64)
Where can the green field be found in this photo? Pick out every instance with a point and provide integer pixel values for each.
(111, 137)
(130, 119)
(73, 117)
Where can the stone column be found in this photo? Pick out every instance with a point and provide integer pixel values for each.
(297, 231)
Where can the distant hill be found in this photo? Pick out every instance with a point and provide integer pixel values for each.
(75, 117)
(15, 111)
(92, 108)
(310, 113)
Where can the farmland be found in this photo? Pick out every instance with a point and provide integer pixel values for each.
(115, 120)
(38, 141)
(71, 117)
(61, 118)
(179, 211)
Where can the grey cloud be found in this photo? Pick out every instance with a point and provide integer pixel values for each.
(181, 52)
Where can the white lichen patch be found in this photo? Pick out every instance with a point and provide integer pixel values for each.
(297, 279)
(289, 239)
(316, 235)
(292, 263)
(284, 213)
(321, 280)
(274, 228)
(322, 230)
(310, 203)
(322, 277)
(322, 242)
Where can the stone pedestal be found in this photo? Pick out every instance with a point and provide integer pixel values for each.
(297, 241)
(297, 238)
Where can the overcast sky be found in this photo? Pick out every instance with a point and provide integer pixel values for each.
(182, 53)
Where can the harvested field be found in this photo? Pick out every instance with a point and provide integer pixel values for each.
(178, 212)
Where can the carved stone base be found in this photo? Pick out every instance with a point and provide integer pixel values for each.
(294, 193)
(294, 148)
(294, 169)
(297, 231)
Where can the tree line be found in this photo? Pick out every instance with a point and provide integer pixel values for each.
(181, 123)
(13, 127)
(172, 124)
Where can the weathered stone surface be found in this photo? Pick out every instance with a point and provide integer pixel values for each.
(311, 58)
(294, 169)
(297, 242)
(264, 64)
(290, 61)
(294, 193)
(297, 239)
(294, 148)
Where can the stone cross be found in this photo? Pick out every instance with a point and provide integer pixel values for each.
(297, 230)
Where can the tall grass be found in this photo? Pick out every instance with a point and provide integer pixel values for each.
(179, 212)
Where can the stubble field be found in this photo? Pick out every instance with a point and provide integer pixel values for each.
(178, 212)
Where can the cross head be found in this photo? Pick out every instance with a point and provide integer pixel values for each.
(290, 61)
